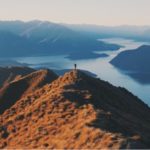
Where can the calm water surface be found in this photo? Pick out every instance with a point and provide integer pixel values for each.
(100, 66)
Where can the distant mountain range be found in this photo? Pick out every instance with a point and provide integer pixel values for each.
(135, 62)
(36, 38)
(138, 33)
(77, 111)
(39, 38)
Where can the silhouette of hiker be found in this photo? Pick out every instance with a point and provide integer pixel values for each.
(75, 66)
(75, 71)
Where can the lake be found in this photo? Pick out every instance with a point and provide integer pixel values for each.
(101, 67)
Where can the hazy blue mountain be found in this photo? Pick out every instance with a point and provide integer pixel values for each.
(13, 45)
(135, 62)
(36, 38)
(141, 33)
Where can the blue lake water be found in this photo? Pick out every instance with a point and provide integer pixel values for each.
(100, 66)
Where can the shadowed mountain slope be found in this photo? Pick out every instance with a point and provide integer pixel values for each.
(16, 89)
(8, 74)
(76, 111)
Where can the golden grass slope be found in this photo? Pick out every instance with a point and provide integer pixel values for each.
(76, 111)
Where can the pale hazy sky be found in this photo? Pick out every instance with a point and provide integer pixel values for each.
(103, 12)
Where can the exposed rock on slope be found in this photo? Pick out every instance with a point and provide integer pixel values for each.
(8, 74)
(76, 111)
(16, 89)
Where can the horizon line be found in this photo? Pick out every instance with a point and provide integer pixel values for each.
(63, 23)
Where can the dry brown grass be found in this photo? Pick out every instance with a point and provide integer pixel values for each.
(60, 115)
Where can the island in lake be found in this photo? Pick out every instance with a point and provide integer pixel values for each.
(135, 63)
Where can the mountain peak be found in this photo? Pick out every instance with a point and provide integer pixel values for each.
(72, 77)
(75, 77)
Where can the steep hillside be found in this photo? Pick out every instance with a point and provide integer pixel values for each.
(136, 62)
(8, 74)
(18, 88)
(76, 111)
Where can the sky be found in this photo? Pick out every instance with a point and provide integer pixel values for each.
(100, 12)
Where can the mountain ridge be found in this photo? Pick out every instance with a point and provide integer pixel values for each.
(76, 111)
(9, 74)
(21, 87)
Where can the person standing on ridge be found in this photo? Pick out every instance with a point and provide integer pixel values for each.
(75, 66)
(75, 71)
